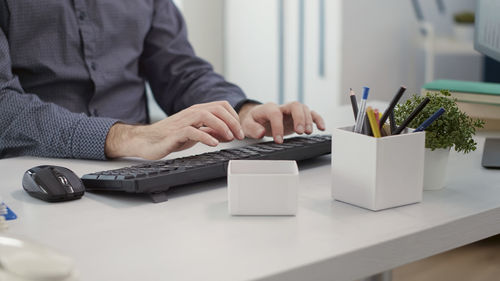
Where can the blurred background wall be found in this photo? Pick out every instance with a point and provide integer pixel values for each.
(315, 50)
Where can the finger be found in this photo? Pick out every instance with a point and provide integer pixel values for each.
(275, 118)
(320, 123)
(296, 110)
(233, 123)
(253, 129)
(193, 134)
(230, 109)
(207, 118)
(224, 104)
(309, 120)
(270, 113)
(213, 133)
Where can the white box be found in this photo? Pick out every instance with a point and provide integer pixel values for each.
(377, 173)
(262, 187)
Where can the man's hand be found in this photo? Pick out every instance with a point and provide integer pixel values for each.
(207, 123)
(258, 120)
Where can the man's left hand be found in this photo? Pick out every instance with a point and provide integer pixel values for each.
(270, 119)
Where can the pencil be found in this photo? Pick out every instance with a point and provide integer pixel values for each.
(354, 103)
(393, 103)
(386, 130)
(411, 116)
(373, 122)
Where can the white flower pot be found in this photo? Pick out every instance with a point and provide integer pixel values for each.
(436, 163)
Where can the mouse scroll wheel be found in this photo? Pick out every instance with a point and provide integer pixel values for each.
(63, 180)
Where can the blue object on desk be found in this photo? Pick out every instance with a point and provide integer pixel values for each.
(10, 214)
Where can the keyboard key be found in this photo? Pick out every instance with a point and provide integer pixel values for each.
(106, 177)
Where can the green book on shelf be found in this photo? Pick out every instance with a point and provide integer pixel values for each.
(467, 91)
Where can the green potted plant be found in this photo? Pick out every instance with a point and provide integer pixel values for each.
(464, 26)
(454, 129)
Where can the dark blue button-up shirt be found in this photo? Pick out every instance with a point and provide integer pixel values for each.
(70, 69)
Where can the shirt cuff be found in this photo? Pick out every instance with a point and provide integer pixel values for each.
(241, 103)
(89, 137)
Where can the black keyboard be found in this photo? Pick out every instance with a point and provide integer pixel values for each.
(155, 178)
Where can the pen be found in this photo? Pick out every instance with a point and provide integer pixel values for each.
(412, 116)
(429, 121)
(354, 103)
(393, 103)
(366, 125)
(373, 122)
(361, 111)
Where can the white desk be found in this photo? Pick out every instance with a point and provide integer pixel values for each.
(192, 237)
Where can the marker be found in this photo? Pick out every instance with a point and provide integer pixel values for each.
(412, 116)
(429, 121)
(393, 103)
(362, 110)
(354, 103)
(367, 129)
(373, 122)
(392, 122)
(377, 116)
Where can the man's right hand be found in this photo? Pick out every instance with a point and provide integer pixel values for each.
(208, 123)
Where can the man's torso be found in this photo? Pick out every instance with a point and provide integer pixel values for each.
(83, 54)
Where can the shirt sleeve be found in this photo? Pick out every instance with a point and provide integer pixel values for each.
(178, 78)
(29, 126)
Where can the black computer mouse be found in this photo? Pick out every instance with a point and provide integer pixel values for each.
(53, 184)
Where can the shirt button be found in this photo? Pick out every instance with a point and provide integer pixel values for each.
(82, 15)
(93, 66)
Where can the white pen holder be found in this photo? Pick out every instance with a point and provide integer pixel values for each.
(377, 173)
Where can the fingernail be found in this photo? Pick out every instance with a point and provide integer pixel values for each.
(242, 135)
(278, 139)
(229, 135)
(300, 129)
(214, 142)
(309, 128)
